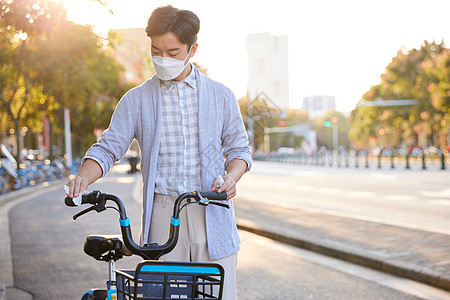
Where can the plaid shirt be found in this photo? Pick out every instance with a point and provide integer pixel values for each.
(178, 169)
(222, 138)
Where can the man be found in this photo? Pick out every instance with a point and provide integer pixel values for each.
(186, 124)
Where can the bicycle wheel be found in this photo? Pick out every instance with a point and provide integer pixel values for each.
(7, 184)
(95, 294)
(3, 185)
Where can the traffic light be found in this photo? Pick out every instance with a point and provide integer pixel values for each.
(334, 120)
(327, 123)
(382, 131)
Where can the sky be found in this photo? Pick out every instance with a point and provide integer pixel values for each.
(336, 48)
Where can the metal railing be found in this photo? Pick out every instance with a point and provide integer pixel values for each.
(387, 159)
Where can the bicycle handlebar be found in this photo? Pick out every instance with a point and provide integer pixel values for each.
(149, 251)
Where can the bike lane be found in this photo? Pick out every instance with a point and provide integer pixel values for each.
(47, 245)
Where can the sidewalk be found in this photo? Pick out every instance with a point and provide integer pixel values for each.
(418, 255)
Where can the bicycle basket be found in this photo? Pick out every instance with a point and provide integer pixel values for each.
(170, 280)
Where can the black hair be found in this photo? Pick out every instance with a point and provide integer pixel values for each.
(183, 23)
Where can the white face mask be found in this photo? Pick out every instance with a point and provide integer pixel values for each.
(168, 68)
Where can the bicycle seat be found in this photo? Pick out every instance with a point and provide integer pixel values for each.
(101, 246)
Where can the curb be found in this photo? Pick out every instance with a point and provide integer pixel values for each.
(407, 271)
(11, 196)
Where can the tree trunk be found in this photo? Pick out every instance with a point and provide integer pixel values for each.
(50, 139)
(19, 140)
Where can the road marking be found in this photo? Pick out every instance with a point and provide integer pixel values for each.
(331, 191)
(126, 179)
(304, 188)
(445, 202)
(372, 219)
(433, 194)
(282, 185)
(383, 176)
(359, 194)
(401, 198)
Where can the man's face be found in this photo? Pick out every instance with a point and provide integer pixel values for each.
(168, 45)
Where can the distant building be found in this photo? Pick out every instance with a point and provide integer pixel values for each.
(268, 67)
(133, 52)
(317, 106)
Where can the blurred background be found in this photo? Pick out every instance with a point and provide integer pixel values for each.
(363, 79)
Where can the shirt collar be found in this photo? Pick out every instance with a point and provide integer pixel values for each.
(190, 80)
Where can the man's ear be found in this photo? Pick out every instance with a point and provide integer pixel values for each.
(193, 50)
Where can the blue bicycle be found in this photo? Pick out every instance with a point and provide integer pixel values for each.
(152, 279)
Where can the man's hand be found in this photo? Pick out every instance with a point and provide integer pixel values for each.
(228, 186)
(77, 186)
(235, 169)
(89, 172)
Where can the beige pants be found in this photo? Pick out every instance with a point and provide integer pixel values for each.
(192, 244)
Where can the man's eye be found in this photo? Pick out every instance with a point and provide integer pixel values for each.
(173, 54)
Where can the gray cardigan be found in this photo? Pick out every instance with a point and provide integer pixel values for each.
(222, 137)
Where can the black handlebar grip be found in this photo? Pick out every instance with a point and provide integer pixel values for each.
(91, 198)
(69, 201)
(214, 195)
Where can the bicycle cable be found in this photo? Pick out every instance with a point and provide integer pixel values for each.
(115, 208)
(186, 204)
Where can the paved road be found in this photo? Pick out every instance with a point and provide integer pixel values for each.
(47, 245)
(49, 262)
(416, 199)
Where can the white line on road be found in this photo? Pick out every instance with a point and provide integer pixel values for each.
(384, 176)
(360, 194)
(376, 220)
(441, 194)
(401, 198)
(445, 202)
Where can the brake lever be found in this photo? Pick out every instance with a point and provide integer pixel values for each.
(202, 200)
(205, 201)
(219, 203)
(97, 208)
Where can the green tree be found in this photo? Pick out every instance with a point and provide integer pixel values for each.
(83, 78)
(21, 23)
(420, 74)
(47, 64)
